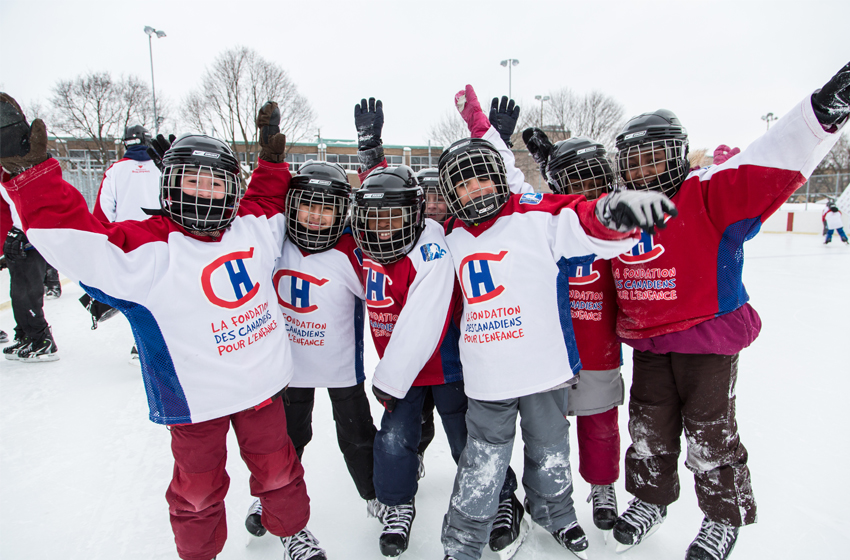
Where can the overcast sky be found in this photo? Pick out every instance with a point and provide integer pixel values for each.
(719, 66)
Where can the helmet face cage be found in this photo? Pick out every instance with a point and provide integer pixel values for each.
(307, 214)
(386, 230)
(199, 197)
(590, 177)
(657, 165)
(474, 182)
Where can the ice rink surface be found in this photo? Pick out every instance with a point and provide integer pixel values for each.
(83, 472)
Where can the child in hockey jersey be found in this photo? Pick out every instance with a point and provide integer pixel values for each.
(322, 301)
(516, 328)
(832, 222)
(193, 283)
(579, 166)
(684, 310)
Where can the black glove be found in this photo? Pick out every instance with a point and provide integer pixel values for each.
(504, 117)
(16, 245)
(388, 401)
(158, 147)
(21, 146)
(272, 142)
(832, 102)
(539, 147)
(369, 120)
(626, 210)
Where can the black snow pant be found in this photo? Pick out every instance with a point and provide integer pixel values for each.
(695, 392)
(51, 277)
(428, 429)
(26, 290)
(355, 430)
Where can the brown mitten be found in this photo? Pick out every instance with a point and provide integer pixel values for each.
(21, 146)
(272, 142)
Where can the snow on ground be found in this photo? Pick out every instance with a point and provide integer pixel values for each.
(83, 472)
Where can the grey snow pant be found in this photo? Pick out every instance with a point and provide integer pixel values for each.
(481, 470)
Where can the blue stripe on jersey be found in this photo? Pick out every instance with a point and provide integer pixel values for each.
(450, 354)
(566, 318)
(730, 264)
(166, 399)
(359, 322)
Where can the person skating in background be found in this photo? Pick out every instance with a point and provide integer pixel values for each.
(322, 301)
(505, 249)
(579, 166)
(683, 308)
(191, 281)
(832, 222)
(33, 338)
(52, 285)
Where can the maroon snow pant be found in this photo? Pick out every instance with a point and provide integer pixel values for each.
(697, 392)
(196, 493)
(599, 447)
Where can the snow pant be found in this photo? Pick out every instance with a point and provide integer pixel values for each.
(355, 432)
(51, 278)
(546, 474)
(428, 428)
(841, 234)
(594, 401)
(196, 493)
(26, 290)
(695, 392)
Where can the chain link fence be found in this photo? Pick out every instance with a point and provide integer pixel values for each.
(86, 176)
(820, 187)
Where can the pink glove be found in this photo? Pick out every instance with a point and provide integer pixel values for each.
(470, 109)
(724, 152)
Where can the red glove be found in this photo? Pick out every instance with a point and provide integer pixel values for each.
(724, 152)
(470, 109)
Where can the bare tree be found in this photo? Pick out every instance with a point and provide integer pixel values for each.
(838, 158)
(232, 92)
(593, 115)
(98, 107)
(449, 129)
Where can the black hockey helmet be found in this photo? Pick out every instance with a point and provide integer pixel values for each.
(208, 168)
(387, 195)
(579, 166)
(435, 204)
(467, 159)
(317, 184)
(649, 140)
(134, 135)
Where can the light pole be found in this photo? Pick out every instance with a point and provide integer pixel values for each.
(509, 62)
(541, 99)
(769, 118)
(150, 31)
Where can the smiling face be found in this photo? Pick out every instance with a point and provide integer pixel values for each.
(473, 189)
(435, 207)
(316, 217)
(645, 163)
(201, 183)
(385, 223)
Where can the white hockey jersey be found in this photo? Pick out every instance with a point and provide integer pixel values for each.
(322, 302)
(128, 186)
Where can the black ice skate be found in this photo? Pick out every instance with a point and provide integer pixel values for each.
(53, 292)
(4, 338)
(572, 538)
(11, 352)
(41, 349)
(134, 357)
(715, 541)
(604, 505)
(302, 546)
(397, 522)
(252, 520)
(509, 528)
(637, 523)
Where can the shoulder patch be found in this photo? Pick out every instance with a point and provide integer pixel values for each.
(432, 252)
(531, 198)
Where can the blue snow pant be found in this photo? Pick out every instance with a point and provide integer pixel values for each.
(546, 474)
(397, 442)
(841, 234)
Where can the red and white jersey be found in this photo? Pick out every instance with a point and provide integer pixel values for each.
(690, 271)
(128, 186)
(204, 311)
(833, 220)
(593, 309)
(516, 331)
(409, 305)
(322, 302)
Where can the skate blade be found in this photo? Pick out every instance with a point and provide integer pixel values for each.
(508, 552)
(621, 548)
(606, 535)
(581, 554)
(39, 359)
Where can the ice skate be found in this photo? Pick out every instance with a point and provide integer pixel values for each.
(604, 505)
(252, 520)
(134, 356)
(42, 349)
(375, 509)
(509, 528)
(638, 522)
(302, 546)
(52, 292)
(714, 541)
(397, 522)
(572, 538)
(11, 352)
(420, 472)
(4, 338)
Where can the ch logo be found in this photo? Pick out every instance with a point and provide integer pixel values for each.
(475, 271)
(582, 273)
(299, 289)
(376, 281)
(243, 288)
(643, 252)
